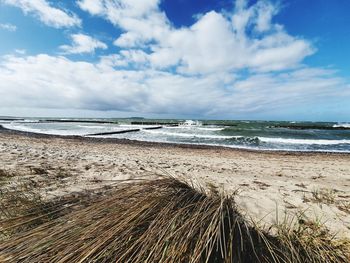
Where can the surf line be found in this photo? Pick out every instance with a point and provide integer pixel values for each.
(124, 131)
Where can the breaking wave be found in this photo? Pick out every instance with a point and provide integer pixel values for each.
(342, 125)
(189, 135)
(303, 141)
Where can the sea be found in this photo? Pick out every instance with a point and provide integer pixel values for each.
(242, 134)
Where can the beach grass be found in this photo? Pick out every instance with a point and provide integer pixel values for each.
(164, 220)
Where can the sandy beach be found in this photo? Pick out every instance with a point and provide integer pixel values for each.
(268, 185)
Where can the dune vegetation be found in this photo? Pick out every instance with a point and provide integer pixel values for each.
(165, 220)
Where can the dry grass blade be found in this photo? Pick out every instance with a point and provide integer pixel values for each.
(162, 220)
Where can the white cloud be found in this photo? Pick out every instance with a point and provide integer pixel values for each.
(110, 61)
(44, 81)
(128, 40)
(21, 51)
(215, 43)
(142, 21)
(118, 10)
(8, 27)
(49, 15)
(265, 12)
(137, 57)
(83, 44)
(240, 4)
(94, 7)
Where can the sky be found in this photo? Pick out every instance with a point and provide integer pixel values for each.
(193, 59)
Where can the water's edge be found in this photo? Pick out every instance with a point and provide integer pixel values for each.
(4, 130)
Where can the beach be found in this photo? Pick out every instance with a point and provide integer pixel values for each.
(269, 187)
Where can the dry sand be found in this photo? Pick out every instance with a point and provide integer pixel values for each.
(315, 184)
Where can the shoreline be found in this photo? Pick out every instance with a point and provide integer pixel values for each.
(167, 144)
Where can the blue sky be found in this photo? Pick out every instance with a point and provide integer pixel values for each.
(176, 58)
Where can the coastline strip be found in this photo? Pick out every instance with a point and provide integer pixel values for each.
(4, 130)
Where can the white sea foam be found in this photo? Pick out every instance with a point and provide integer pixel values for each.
(18, 127)
(36, 130)
(341, 125)
(191, 123)
(91, 127)
(262, 139)
(303, 141)
(184, 127)
(28, 121)
(211, 129)
(24, 128)
(71, 130)
(137, 126)
(190, 135)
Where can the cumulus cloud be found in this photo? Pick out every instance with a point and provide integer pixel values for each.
(44, 81)
(83, 44)
(8, 27)
(142, 21)
(216, 42)
(48, 14)
(94, 7)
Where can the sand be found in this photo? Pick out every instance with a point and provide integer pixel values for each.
(269, 186)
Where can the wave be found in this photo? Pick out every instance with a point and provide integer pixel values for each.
(5, 121)
(184, 127)
(237, 139)
(27, 121)
(20, 128)
(136, 126)
(28, 129)
(303, 141)
(191, 123)
(91, 127)
(18, 121)
(254, 140)
(190, 135)
(24, 128)
(341, 125)
(193, 136)
(211, 129)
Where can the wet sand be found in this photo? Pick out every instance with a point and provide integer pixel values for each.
(268, 185)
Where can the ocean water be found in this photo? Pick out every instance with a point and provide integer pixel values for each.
(262, 135)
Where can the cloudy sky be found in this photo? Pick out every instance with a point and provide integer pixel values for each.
(216, 59)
